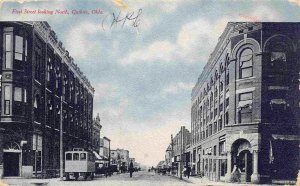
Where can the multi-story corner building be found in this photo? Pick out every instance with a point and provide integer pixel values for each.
(245, 111)
(41, 87)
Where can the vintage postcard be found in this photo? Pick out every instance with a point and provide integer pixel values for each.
(149, 92)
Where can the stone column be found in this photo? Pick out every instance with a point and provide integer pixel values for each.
(228, 174)
(255, 177)
(1, 152)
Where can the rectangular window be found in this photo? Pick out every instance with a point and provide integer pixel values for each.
(246, 96)
(69, 156)
(7, 95)
(226, 118)
(221, 122)
(245, 108)
(82, 156)
(18, 94)
(37, 141)
(75, 156)
(223, 167)
(222, 148)
(8, 49)
(26, 50)
(221, 107)
(215, 112)
(19, 48)
(215, 150)
(25, 96)
(227, 102)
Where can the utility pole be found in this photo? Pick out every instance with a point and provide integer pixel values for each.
(61, 153)
(172, 153)
(181, 152)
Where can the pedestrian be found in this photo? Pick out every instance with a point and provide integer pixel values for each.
(131, 168)
(188, 171)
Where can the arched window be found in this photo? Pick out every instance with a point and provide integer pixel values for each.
(246, 63)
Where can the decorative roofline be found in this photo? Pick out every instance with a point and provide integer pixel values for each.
(214, 56)
(45, 31)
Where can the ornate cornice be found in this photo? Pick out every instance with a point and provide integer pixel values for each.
(49, 36)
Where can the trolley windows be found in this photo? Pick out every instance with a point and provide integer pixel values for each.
(76, 156)
(69, 156)
(82, 156)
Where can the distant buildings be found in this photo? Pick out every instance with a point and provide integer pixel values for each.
(120, 157)
(96, 134)
(104, 152)
(176, 151)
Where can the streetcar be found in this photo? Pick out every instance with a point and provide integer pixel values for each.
(79, 163)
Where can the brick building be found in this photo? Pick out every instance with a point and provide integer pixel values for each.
(180, 142)
(40, 86)
(245, 111)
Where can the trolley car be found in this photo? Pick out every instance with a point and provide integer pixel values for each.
(79, 163)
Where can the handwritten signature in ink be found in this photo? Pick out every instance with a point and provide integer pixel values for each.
(130, 18)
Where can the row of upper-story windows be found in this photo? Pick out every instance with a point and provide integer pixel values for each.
(207, 129)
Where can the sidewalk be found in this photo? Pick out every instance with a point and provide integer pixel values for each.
(205, 181)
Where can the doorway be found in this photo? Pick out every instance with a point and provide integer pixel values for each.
(11, 162)
(245, 165)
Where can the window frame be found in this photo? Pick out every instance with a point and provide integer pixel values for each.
(244, 68)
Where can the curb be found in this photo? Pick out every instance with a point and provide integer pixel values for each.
(183, 179)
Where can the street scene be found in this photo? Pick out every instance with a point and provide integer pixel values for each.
(120, 92)
(139, 178)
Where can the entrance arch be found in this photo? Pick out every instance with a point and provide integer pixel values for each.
(11, 159)
(242, 159)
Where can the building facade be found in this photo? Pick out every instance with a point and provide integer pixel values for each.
(96, 134)
(105, 148)
(42, 91)
(169, 156)
(245, 111)
(120, 157)
(180, 143)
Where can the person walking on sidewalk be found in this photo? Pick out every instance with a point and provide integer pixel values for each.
(188, 171)
(131, 169)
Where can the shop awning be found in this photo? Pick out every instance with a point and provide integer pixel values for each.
(98, 157)
(286, 137)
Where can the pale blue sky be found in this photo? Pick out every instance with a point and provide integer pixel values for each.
(143, 77)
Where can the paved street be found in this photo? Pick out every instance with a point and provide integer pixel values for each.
(141, 179)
